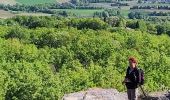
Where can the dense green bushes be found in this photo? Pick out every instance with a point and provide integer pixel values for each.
(45, 63)
(151, 26)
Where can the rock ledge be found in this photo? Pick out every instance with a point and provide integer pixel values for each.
(96, 94)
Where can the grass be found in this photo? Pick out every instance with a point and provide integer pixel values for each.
(81, 12)
(33, 2)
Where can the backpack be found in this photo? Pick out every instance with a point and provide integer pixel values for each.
(141, 76)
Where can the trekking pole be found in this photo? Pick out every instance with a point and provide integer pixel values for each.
(143, 91)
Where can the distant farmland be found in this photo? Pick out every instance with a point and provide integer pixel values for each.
(61, 1)
(5, 14)
(32, 14)
(11, 2)
(32, 2)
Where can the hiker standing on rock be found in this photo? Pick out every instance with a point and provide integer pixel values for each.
(132, 79)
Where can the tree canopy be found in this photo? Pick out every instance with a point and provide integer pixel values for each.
(47, 57)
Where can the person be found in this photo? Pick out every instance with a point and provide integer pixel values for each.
(132, 79)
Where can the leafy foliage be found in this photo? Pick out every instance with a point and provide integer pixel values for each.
(68, 55)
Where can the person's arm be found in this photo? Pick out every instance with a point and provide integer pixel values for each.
(137, 77)
(126, 77)
(127, 73)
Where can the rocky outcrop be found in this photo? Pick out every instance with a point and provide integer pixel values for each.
(111, 94)
(96, 94)
(157, 96)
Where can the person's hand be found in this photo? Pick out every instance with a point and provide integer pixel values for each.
(124, 81)
(127, 80)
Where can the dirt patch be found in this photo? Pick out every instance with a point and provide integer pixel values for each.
(5, 14)
(33, 14)
(11, 2)
(62, 1)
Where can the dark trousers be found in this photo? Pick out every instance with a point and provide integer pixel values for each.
(132, 94)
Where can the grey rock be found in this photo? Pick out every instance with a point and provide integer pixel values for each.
(157, 96)
(96, 94)
(112, 94)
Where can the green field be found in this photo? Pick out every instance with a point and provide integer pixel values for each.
(33, 2)
(124, 12)
(81, 12)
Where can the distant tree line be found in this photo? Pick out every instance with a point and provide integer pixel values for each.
(44, 8)
(107, 13)
(155, 1)
(136, 15)
(56, 22)
(89, 1)
(155, 13)
(146, 16)
(151, 26)
(156, 19)
(151, 7)
(119, 4)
